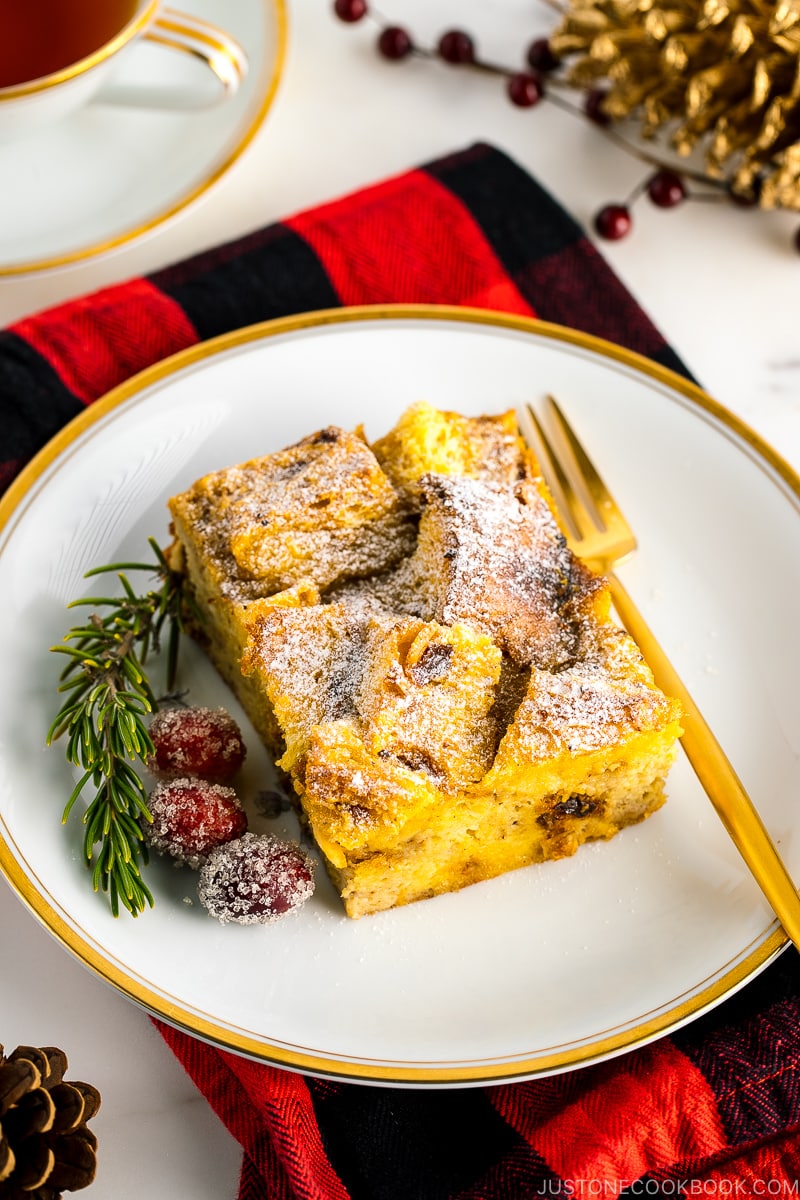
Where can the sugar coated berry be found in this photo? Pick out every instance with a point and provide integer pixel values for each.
(255, 880)
(196, 741)
(613, 222)
(192, 817)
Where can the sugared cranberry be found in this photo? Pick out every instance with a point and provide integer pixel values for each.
(613, 222)
(593, 106)
(255, 880)
(394, 42)
(540, 56)
(525, 89)
(196, 741)
(192, 817)
(350, 10)
(666, 189)
(456, 47)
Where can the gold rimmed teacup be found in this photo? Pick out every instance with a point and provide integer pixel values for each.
(27, 105)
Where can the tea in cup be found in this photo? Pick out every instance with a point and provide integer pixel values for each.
(56, 55)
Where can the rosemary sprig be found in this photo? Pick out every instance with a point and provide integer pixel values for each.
(108, 695)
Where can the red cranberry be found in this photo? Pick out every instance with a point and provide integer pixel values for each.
(613, 222)
(196, 741)
(255, 880)
(350, 10)
(394, 42)
(593, 106)
(456, 47)
(666, 189)
(797, 241)
(540, 56)
(191, 817)
(525, 89)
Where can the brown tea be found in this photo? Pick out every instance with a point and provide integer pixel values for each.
(38, 37)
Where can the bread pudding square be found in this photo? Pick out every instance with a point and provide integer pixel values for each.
(437, 675)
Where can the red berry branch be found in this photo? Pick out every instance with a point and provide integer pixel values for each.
(664, 186)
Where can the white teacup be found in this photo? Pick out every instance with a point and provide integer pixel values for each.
(27, 106)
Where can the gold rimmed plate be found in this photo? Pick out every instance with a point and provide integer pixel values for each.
(108, 174)
(544, 969)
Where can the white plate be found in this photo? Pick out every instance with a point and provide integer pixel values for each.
(107, 174)
(543, 969)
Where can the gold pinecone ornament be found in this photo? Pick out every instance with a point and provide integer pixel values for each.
(719, 75)
(45, 1145)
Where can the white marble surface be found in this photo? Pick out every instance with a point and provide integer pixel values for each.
(721, 282)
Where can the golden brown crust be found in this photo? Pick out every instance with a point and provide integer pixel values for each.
(426, 440)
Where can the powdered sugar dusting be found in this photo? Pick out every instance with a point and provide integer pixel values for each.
(503, 565)
(603, 697)
(317, 511)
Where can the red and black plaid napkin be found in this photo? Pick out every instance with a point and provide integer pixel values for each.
(712, 1110)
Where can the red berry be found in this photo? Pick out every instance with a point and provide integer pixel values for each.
(797, 240)
(255, 880)
(191, 817)
(456, 47)
(394, 42)
(541, 57)
(613, 222)
(593, 106)
(196, 741)
(666, 189)
(525, 89)
(350, 10)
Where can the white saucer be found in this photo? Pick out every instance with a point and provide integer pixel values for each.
(107, 174)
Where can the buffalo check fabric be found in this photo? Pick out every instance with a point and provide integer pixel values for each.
(711, 1110)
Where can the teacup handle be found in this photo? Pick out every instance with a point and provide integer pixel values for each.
(206, 42)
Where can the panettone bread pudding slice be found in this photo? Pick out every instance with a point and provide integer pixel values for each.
(437, 674)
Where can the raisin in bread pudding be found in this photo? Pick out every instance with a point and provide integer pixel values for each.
(438, 676)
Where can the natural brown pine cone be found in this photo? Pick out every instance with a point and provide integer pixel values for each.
(45, 1145)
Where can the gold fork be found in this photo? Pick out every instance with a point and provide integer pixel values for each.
(602, 538)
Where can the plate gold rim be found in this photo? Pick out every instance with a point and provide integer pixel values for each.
(422, 1075)
(197, 190)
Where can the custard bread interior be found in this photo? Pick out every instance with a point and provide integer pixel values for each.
(438, 676)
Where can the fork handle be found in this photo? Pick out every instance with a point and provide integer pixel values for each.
(721, 783)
